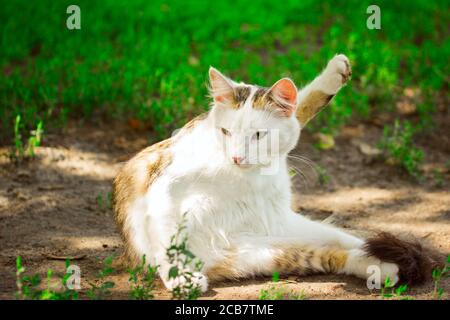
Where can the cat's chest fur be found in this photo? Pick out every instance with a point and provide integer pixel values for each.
(230, 199)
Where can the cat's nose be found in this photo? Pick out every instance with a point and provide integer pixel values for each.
(237, 160)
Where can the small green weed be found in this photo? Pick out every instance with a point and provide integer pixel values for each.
(292, 173)
(29, 287)
(104, 202)
(142, 281)
(438, 275)
(278, 292)
(438, 178)
(20, 151)
(323, 176)
(101, 289)
(18, 144)
(388, 290)
(184, 265)
(35, 139)
(398, 143)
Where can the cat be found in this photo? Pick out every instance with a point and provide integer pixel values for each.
(237, 207)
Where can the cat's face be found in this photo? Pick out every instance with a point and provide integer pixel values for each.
(254, 126)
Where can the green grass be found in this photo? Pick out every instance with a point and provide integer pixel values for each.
(278, 291)
(101, 288)
(147, 60)
(141, 278)
(104, 201)
(322, 175)
(389, 290)
(30, 286)
(439, 275)
(184, 265)
(398, 143)
(142, 281)
(19, 151)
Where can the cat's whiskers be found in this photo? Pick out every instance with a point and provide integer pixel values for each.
(303, 160)
(303, 177)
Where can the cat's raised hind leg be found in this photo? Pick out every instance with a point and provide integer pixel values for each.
(316, 95)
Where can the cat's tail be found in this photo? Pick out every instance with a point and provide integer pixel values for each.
(415, 262)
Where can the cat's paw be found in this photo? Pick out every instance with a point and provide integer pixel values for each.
(340, 65)
(201, 281)
(337, 73)
(198, 279)
(366, 267)
(390, 270)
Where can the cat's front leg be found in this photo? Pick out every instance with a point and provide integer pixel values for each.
(169, 257)
(316, 95)
(166, 233)
(197, 279)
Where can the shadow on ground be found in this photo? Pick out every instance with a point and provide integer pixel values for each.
(58, 205)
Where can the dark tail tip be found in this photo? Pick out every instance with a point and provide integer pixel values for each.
(414, 261)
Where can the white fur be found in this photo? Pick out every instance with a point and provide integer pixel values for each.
(231, 207)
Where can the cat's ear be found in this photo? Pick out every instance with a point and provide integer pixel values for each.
(221, 87)
(284, 93)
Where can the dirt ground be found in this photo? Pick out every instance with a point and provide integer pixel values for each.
(51, 206)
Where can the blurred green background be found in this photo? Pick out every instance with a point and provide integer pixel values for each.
(147, 61)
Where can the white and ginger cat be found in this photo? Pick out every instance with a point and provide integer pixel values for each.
(238, 213)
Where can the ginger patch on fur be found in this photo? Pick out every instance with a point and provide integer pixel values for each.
(311, 105)
(225, 268)
(305, 260)
(134, 180)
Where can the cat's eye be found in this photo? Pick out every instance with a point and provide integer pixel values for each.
(260, 134)
(225, 131)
